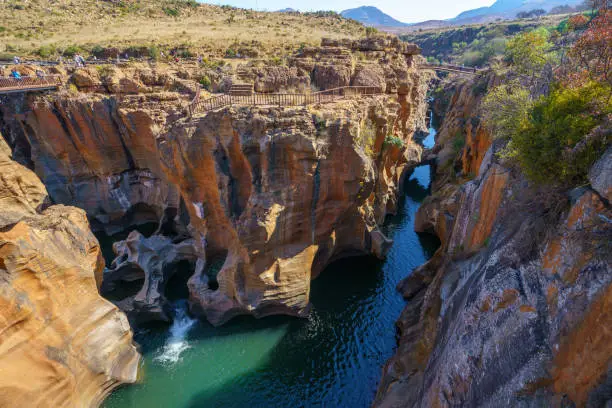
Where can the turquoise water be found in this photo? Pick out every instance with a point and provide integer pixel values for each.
(332, 359)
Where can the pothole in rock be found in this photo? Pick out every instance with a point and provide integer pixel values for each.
(213, 266)
(176, 287)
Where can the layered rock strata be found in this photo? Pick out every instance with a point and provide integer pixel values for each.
(263, 197)
(61, 344)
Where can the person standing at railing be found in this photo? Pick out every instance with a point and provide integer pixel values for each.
(15, 74)
(16, 60)
(40, 73)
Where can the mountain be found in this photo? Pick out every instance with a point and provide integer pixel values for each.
(509, 9)
(371, 16)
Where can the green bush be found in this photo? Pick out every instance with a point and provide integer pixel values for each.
(230, 53)
(529, 52)
(391, 140)
(370, 31)
(154, 52)
(505, 108)
(473, 59)
(205, 82)
(551, 144)
(46, 51)
(71, 50)
(172, 12)
(97, 50)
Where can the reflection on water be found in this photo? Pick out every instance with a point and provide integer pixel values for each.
(332, 359)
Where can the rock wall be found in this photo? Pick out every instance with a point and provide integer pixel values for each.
(500, 315)
(269, 196)
(61, 344)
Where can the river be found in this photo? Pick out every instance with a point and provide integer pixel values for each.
(332, 359)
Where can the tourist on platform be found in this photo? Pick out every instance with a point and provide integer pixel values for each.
(15, 74)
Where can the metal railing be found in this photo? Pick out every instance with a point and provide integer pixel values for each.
(26, 83)
(451, 68)
(280, 99)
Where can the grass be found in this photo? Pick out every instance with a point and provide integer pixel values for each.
(28, 26)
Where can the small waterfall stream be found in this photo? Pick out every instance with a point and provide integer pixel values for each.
(177, 342)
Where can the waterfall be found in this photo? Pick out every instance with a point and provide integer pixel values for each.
(177, 343)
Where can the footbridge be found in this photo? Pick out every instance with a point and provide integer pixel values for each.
(29, 84)
(455, 69)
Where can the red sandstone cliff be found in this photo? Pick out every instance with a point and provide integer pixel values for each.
(272, 195)
(61, 344)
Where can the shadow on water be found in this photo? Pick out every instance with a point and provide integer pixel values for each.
(333, 358)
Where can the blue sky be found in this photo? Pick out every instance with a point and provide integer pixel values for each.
(408, 11)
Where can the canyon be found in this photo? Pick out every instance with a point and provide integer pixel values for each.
(241, 208)
(514, 306)
(254, 201)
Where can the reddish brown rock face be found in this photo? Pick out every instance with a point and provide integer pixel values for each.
(270, 194)
(514, 307)
(61, 344)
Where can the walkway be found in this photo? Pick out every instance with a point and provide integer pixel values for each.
(28, 84)
(280, 99)
(457, 69)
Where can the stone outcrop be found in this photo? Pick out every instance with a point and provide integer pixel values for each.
(271, 195)
(154, 261)
(511, 310)
(61, 344)
(381, 61)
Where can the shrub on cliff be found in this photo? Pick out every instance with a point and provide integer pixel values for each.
(391, 140)
(554, 142)
(505, 108)
(529, 52)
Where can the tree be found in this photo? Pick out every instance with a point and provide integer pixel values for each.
(593, 50)
(577, 22)
(565, 9)
(505, 108)
(538, 12)
(528, 52)
(593, 6)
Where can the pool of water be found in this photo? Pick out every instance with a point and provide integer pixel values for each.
(332, 359)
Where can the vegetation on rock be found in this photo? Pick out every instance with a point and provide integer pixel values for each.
(551, 123)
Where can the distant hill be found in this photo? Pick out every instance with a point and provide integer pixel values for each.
(509, 9)
(501, 9)
(371, 16)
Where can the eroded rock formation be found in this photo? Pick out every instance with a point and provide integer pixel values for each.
(61, 344)
(270, 194)
(500, 315)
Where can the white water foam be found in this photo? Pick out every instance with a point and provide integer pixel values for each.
(177, 342)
